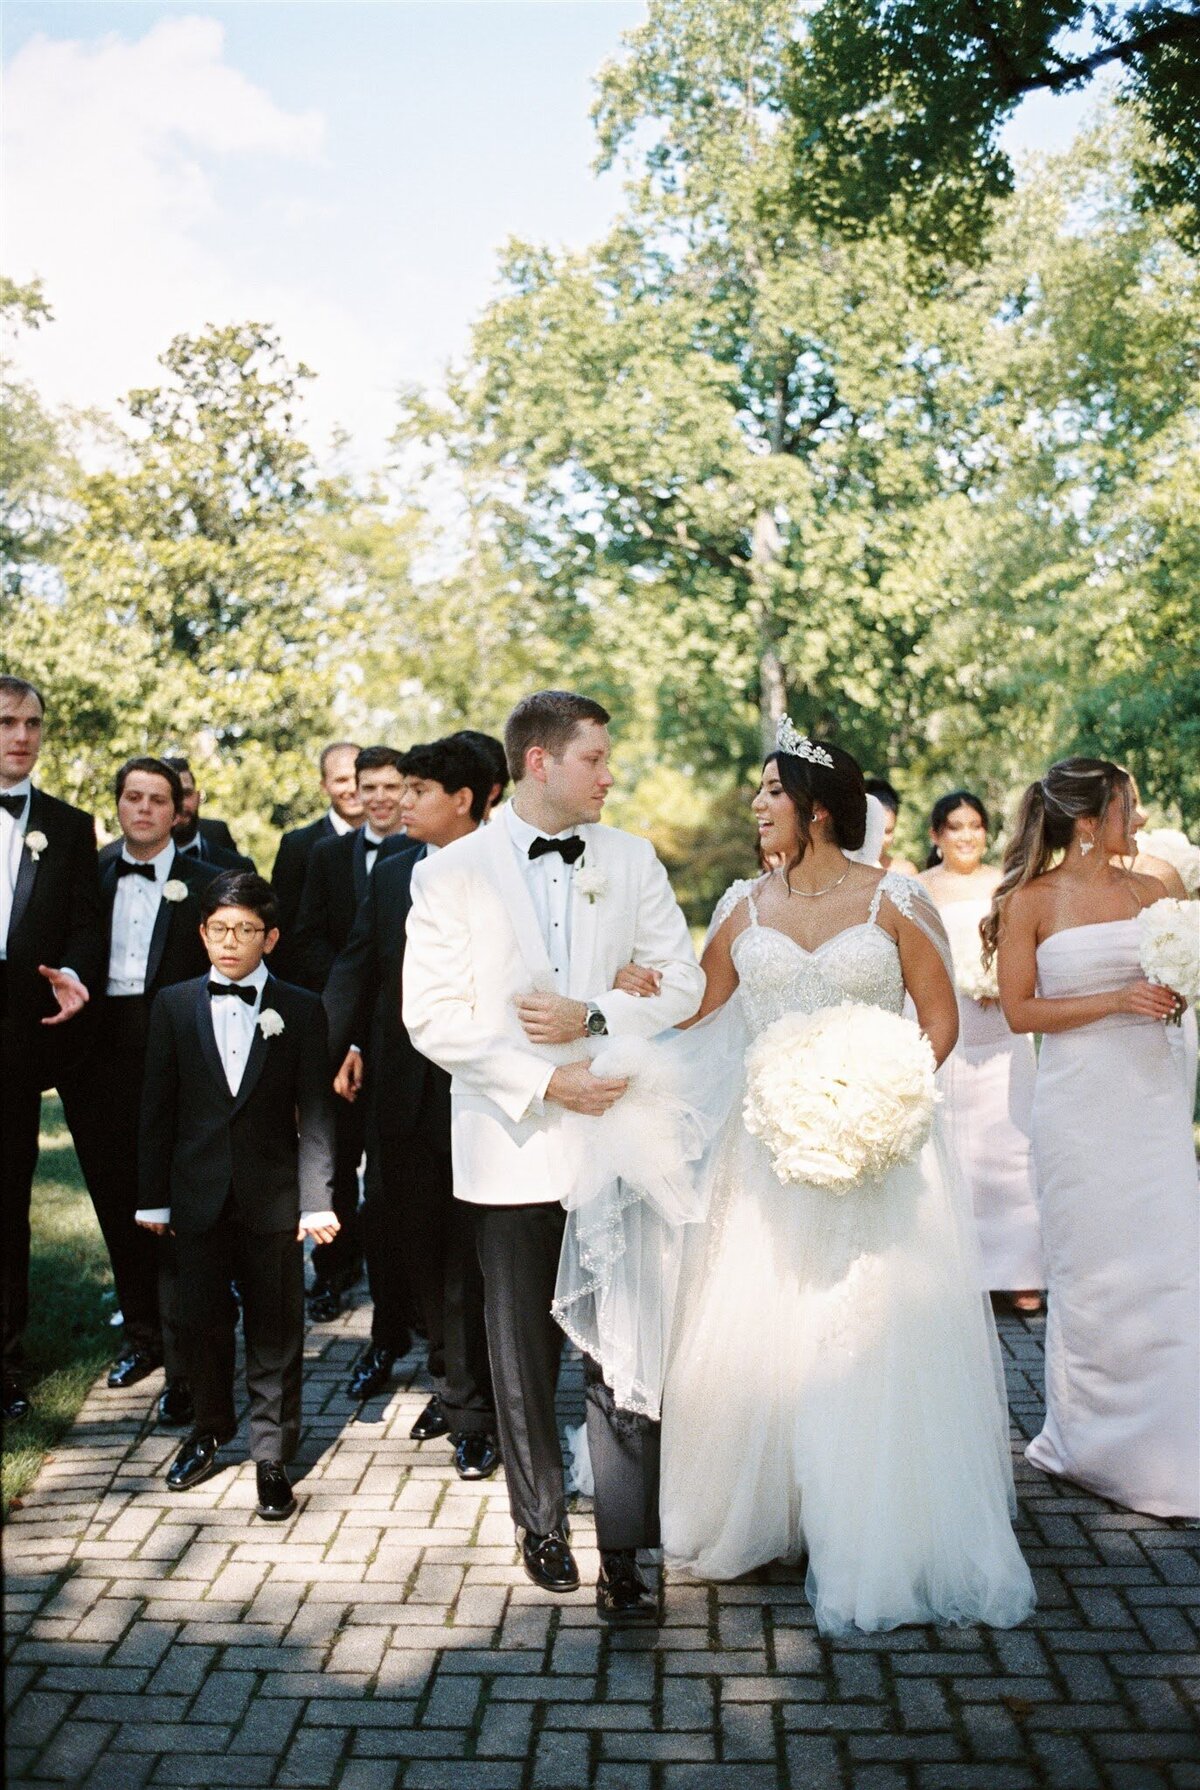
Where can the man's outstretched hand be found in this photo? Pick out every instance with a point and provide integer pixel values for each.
(69, 992)
(575, 1087)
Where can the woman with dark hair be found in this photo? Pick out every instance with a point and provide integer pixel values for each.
(1112, 1146)
(987, 1084)
(834, 1388)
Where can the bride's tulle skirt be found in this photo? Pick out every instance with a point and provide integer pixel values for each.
(836, 1392)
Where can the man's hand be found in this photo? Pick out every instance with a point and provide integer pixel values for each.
(635, 978)
(349, 1079)
(69, 992)
(324, 1233)
(148, 1224)
(551, 1018)
(575, 1087)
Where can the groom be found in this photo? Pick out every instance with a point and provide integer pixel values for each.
(515, 939)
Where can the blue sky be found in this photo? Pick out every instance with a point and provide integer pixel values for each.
(347, 170)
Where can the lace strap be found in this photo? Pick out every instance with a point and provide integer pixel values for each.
(900, 891)
(914, 901)
(741, 890)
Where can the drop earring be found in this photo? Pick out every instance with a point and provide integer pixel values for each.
(1085, 846)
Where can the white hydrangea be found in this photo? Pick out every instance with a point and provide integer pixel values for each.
(1169, 946)
(1175, 849)
(841, 1096)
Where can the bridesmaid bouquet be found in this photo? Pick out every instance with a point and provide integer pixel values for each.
(1175, 849)
(840, 1097)
(1169, 948)
(974, 981)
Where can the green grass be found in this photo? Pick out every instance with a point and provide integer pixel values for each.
(69, 1339)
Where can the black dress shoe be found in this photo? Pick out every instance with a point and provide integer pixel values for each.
(16, 1401)
(324, 1302)
(275, 1500)
(196, 1461)
(130, 1368)
(432, 1422)
(175, 1406)
(623, 1599)
(372, 1373)
(549, 1562)
(476, 1457)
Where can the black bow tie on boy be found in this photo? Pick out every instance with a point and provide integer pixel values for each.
(249, 995)
(13, 805)
(570, 849)
(125, 868)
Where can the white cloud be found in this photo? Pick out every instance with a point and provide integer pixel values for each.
(118, 193)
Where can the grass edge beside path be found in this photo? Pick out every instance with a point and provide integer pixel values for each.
(69, 1340)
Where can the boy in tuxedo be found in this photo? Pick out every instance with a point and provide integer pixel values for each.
(151, 905)
(237, 1161)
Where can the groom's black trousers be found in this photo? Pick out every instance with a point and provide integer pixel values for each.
(518, 1252)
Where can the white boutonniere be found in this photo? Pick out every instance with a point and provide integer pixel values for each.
(592, 884)
(35, 844)
(270, 1023)
(174, 890)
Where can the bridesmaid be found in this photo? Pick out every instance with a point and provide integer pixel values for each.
(1112, 1148)
(882, 790)
(1185, 1042)
(987, 1083)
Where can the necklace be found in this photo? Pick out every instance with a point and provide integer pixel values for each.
(812, 894)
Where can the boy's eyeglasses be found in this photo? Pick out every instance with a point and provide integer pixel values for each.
(218, 931)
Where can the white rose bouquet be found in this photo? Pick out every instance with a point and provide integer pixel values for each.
(974, 981)
(1169, 947)
(1175, 849)
(841, 1096)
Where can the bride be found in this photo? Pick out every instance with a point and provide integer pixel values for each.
(833, 1386)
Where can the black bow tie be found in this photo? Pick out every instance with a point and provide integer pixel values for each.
(125, 868)
(247, 994)
(14, 805)
(570, 849)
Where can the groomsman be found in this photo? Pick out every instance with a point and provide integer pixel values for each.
(418, 1240)
(344, 814)
(151, 905)
(51, 953)
(237, 1160)
(198, 836)
(336, 881)
(491, 750)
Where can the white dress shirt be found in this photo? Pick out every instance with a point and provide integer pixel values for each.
(12, 838)
(341, 827)
(135, 910)
(549, 879)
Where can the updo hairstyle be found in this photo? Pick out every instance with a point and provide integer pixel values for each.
(839, 788)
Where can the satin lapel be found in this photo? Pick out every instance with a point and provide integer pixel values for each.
(585, 920)
(208, 1038)
(259, 1046)
(358, 863)
(108, 889)
(158, 940)
(518, 903)
(26, 868)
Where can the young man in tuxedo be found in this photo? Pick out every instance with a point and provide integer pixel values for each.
(343, 815)
(336, 881)
(195, 834)
(236, 1160)
(51, 955)
(491, 750)
(151, 902)
(418, 1240)
(510, 974)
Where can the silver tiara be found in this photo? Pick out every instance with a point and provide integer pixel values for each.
(796, 746)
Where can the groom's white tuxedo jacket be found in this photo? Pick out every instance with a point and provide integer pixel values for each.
(474, 944)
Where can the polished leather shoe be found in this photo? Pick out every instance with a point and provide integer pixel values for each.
(196, 1461)
(623, 1599)
(432, 1422)
(549, 1562)
(372, 1373)
(16, 1401)
(275, 1500)
(324, 1302)
(476, 1457)
(130, 1368)
(175, 1406)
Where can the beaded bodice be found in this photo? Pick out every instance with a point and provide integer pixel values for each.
(778, 976)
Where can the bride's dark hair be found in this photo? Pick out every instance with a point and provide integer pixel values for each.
(839, 788)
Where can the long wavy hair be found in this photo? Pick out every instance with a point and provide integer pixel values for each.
(1072, 790)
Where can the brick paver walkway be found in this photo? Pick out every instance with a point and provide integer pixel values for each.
(386, 1637)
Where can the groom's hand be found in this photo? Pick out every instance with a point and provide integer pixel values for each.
(552, 1018)
(575, 1087)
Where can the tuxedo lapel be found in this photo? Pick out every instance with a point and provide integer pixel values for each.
(158, 940)
(259, 1046)
(27, 869)
(585, 920)
(518, 903)
(358, 862)
(208, 1038)
(108, 889)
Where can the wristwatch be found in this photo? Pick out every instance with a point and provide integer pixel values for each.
(595, 1025)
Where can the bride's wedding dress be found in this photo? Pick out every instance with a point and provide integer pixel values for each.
(834, 1388)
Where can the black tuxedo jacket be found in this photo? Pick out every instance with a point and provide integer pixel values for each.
(216, 832)
(287, 879)
(176, 949)
(215, 852)
(270, 1145)
(362, 1002)
(336, 882)
(57, 919)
